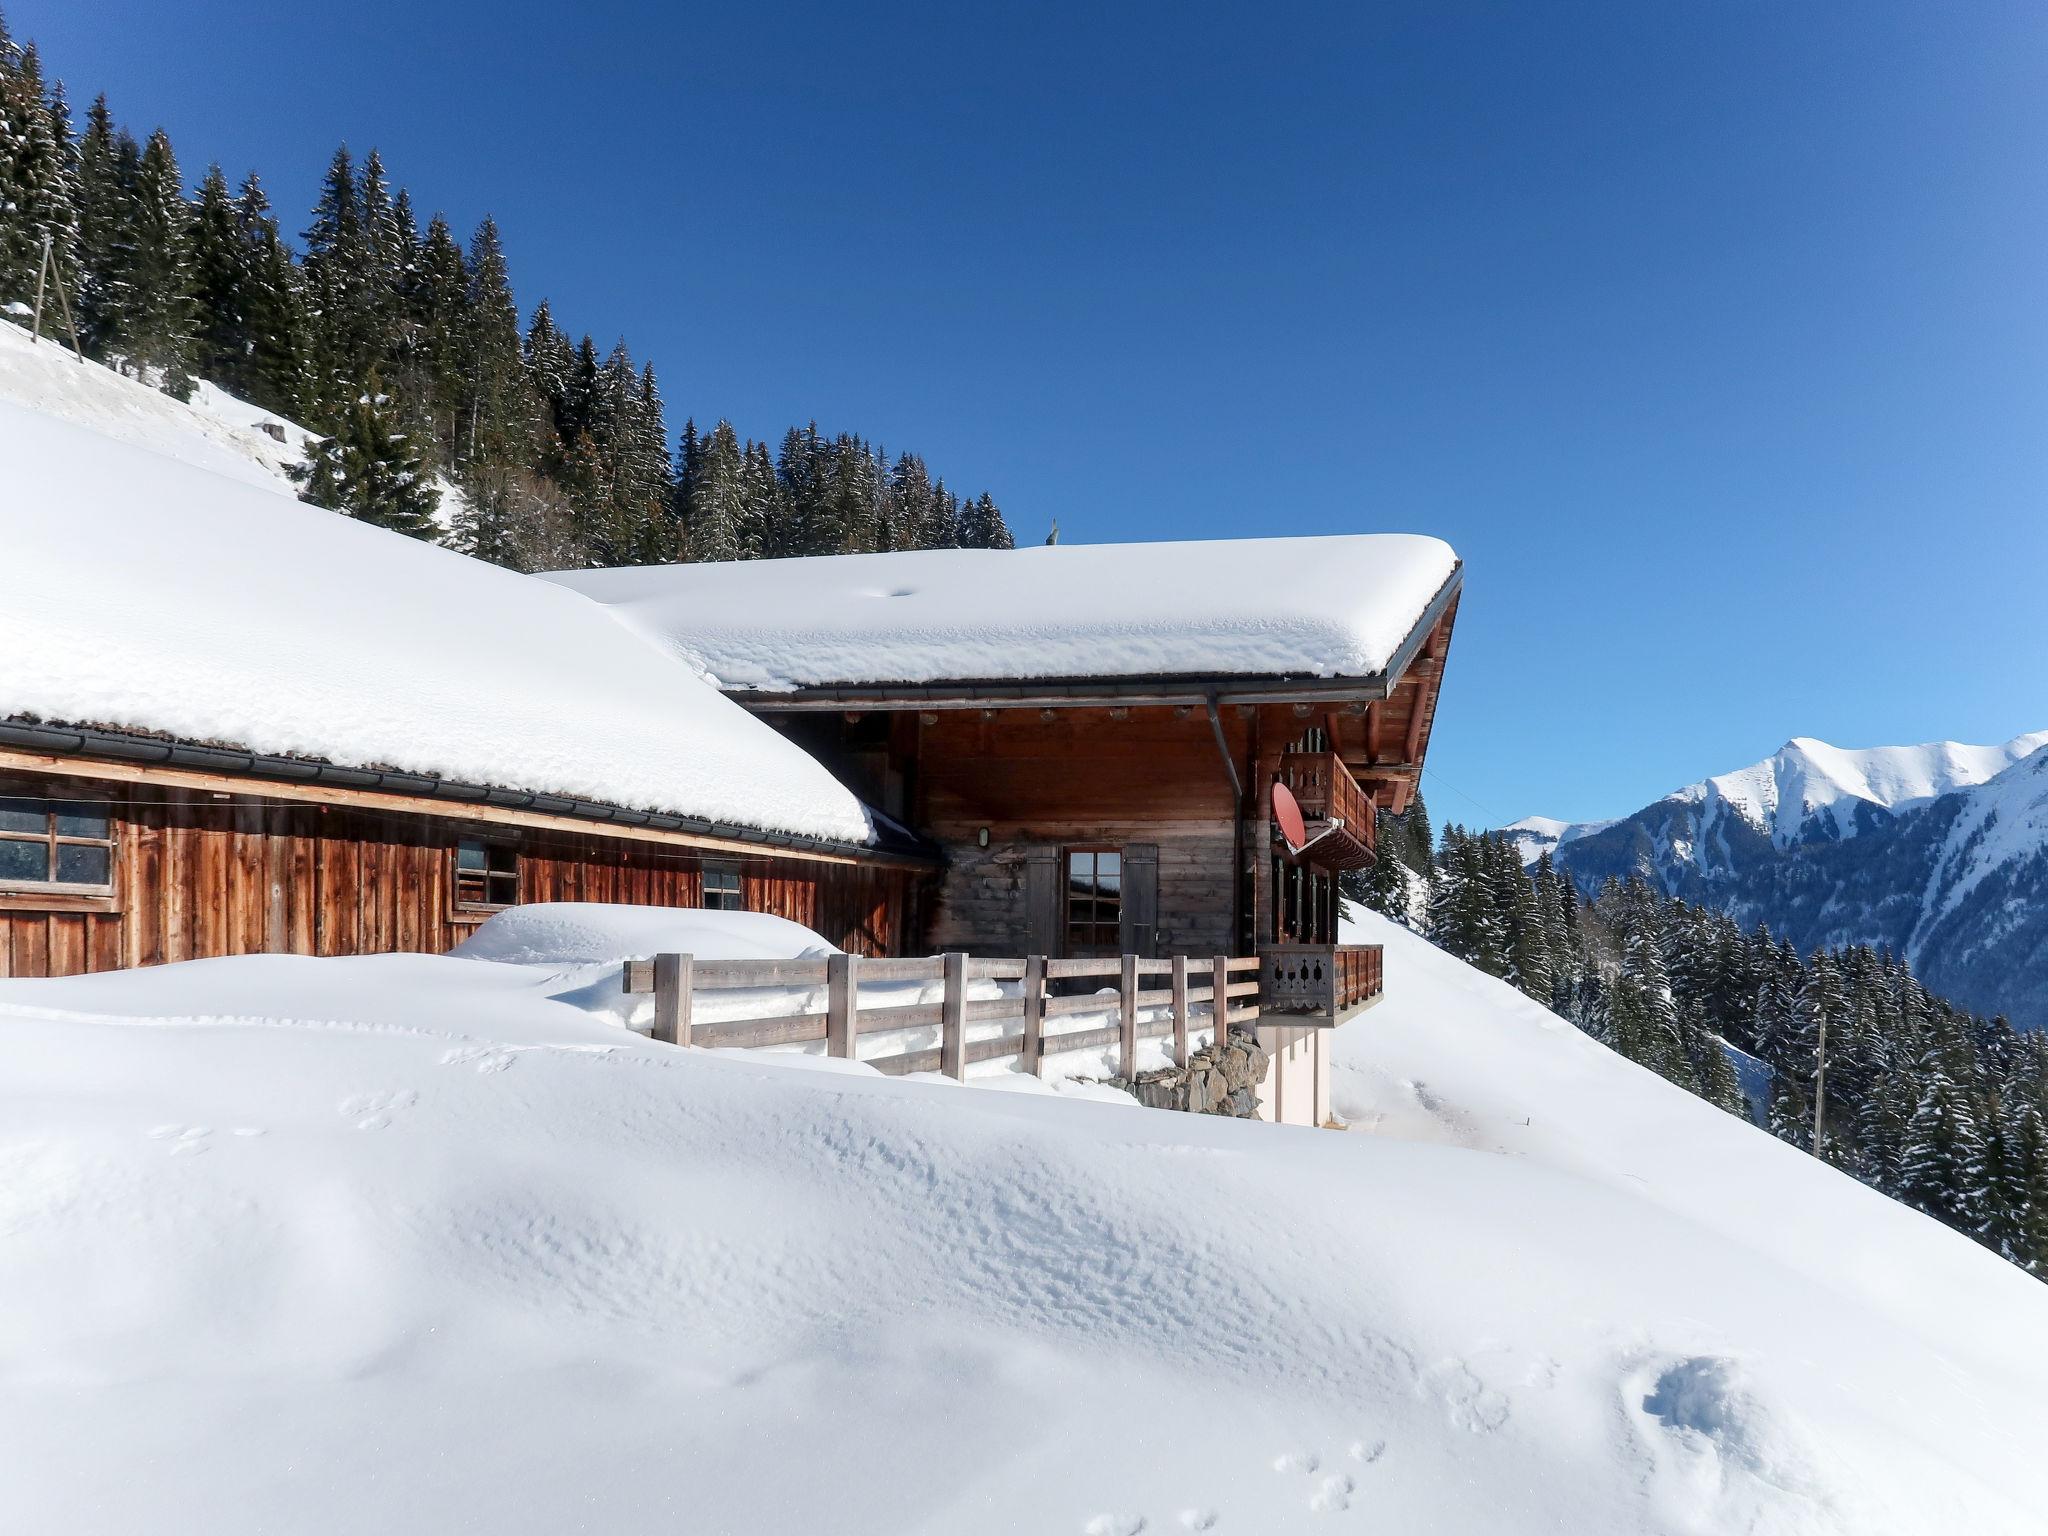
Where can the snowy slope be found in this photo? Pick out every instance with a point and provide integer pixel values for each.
(147, 593)
(1336, 606)
(404, 1244)
(214, 431)
(1986, 900)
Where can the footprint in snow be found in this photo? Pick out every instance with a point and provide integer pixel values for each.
(486, 1059)
(1198, 1519)
(1296, 1461)
(1114, 1525)
(1368, 1451)
(185, 1140)
(1333, 1495)
(372, 1111)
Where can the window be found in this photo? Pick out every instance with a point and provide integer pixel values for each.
(56, 845)
(722, 888)
(486, 874)
(1094, 901)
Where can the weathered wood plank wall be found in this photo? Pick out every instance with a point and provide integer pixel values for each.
(200, 875)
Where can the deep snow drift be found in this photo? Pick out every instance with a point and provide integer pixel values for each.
(1327, 606)
(404, 1244)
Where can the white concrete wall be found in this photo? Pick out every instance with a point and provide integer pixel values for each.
(1297, 1086)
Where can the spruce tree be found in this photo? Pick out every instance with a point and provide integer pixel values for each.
(496, 416)
(340, 287)
(717, 505)
(162, 316)
(36, 182)
(370, 470)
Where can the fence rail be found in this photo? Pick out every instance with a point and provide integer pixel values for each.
(1287, 979)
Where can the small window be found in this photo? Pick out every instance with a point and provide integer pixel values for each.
(722, 888)
(486, 874)
(56, 845)
(1095, 901)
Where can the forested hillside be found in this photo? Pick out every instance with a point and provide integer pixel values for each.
(402, 347)
(1937, 1107)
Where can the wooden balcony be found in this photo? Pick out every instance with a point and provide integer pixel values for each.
(1341, 817)
(1325, 982)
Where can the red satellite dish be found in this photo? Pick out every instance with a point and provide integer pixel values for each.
(1287, 811)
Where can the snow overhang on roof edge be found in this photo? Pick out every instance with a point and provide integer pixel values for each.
(118, 746)
(1171, 688)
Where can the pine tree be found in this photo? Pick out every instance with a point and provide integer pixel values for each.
(161, 315)
(106, 163)
(1942, 1161)
(717, 504)
(340, 285)
(36, 184)
(274, 372)
(370, 470)
(496, 415)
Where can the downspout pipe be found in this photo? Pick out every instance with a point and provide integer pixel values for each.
(1236, 823)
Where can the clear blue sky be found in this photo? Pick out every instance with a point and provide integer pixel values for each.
(1713, 335)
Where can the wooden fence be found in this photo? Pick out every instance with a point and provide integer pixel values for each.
(677, 980)
(1320, 983)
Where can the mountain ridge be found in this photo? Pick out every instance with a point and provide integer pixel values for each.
(1938, 851)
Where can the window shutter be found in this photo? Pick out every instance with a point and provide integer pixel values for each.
(1042, 901)
(1141, 898)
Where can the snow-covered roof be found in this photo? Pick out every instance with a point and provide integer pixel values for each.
(145, 593)
(1337, 606)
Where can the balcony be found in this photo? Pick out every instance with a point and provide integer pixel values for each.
(1324, 982)
(1341, 817)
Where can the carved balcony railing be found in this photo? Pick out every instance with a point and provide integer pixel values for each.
(1326, 982)
(1340, 815)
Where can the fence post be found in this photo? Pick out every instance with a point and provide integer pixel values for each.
(1127, 1020)
(1219, 1001)
(953, 1026)
(1034, 1014)
(1180, 1010)
(672, 999)
(842, 1005)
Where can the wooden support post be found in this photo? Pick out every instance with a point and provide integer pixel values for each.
(1127, 1020)
(1219, 1000)
(953, 1021)
(1034, 1014)
(35, 333)
(672, 999)
(1180, 1010)
(842, 1005)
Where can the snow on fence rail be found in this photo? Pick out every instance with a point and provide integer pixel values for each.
(1325, 982)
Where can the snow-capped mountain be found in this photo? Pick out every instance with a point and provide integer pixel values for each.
(1940, 851)
(1534, 836)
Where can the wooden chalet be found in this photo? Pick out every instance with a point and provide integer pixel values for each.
(231, 723)
(324, 739)
(1087, 801)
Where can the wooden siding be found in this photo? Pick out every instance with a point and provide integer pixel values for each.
(200, 874)
(1109, 777)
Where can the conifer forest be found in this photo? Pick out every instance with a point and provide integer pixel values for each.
(401, 346)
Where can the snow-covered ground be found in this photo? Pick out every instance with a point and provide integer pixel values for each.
(409, 1244)
(214, 431)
